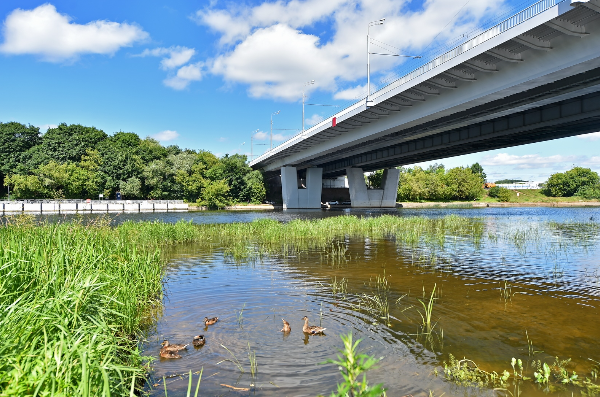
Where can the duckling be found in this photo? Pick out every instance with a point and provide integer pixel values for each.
(167, 347)
(198, 341)
(168, 354)
(286, 326)
(311, 329)
(210, 321)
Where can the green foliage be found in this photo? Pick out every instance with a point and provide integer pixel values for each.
(15, 140)
(567, 184)
(74, 161)
(437, 184)
(352, 365)
(255, 187)
(466, 373)
(375, 179)
(589, 192)
(216, 195)
(494, 192)
(477, 169)
(504, 194)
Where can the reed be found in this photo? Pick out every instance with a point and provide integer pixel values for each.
(75, 301)
(253, 363)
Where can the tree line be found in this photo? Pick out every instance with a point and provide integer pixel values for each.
(435, 183)
(75, 161)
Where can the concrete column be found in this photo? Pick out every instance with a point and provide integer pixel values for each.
(295, 197)
(373, 198)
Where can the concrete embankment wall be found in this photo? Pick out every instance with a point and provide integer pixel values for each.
(60, 206)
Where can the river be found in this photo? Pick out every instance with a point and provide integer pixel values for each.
(529, 289)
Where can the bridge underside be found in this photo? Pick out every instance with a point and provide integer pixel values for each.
(569, 117)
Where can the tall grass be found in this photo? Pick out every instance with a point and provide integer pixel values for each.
(75, 299)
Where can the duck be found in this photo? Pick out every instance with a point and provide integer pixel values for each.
(198, 341)
(286, 326)
(167, 347)
(311, 329)
(210, 321)
(168, 354)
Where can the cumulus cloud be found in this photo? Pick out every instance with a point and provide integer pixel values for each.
(172, 57)
(55, 38)
(314, 119)
(166, 135)
(531, 161)
(594, 136)
(360, 91)
(265, 47)
(185, 75)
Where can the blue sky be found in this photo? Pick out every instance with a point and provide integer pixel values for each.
(206, 75)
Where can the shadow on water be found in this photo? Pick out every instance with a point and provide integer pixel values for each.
(529, 289)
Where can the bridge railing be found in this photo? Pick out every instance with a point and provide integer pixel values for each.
(435, 59)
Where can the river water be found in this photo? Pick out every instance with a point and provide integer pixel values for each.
(529, 289)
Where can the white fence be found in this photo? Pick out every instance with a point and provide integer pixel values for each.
(71, 206)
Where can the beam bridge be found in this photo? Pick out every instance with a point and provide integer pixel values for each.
(533, 77)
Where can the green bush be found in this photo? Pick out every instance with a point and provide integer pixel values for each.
(589, 192)
(567, 184)
(494, 191)
(504, 194)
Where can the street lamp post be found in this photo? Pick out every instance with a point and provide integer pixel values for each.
(303, 98)
(251, 144)
(271, 136)
(380, 22)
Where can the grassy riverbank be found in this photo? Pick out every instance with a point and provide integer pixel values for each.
(77, 298)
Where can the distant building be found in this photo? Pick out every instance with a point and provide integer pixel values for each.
(520, 185)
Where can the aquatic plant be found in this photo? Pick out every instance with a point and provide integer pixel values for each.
(240, 317)
(426, 324)
(352, 365)
(233, 360)
(339, 287)
(253, 363)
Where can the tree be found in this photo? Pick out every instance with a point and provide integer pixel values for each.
(477, 169)
(215, 195)
(255, 186)
(15, 140)
(567, 184)
(232, 169)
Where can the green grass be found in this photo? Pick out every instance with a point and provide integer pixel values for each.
(534, 196)
(75, 301)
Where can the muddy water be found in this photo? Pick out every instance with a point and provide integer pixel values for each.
(528, 279)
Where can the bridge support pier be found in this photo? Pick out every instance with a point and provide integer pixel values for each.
(298, 197)
(373, 198)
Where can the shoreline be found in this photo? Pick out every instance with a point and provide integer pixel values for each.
(508, 204)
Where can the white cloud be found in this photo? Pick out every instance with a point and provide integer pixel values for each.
(314, 119)
(223, 139)
(175, 56)
(265, 48)
(531, 161)
(185, 75)
(166, 135)
(360, 91)
(594, 136)
(44, 32)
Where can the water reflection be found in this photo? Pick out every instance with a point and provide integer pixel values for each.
(528, 289)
